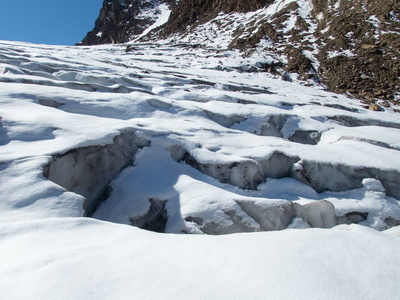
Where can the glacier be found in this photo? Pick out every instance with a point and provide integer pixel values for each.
(185, 140)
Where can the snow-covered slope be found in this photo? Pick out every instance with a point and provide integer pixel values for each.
(216, 150)
(179, 139)
(350, 47)
(88, 259)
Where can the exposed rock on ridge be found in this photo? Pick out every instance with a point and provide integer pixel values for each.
(349, 46)
(119, 20)
(369, 32)
(189, 12)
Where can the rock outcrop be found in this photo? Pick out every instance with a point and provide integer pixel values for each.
(120, 20)
(188, 13)
(359, 47)
(350, 46)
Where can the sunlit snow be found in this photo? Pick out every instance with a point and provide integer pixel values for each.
(213, 148)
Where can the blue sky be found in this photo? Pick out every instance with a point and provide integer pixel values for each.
(56, 22)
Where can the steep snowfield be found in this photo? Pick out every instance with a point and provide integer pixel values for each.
(179, 139)
(161, 15)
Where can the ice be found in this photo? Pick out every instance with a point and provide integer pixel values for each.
(231, 130)
(88, 171)
(372, 184)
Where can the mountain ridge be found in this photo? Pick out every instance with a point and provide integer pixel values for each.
(120, 20)
(351, 48)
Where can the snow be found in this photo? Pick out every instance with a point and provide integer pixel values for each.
(386, 137)
(25, 195)
(346, 53)
(277, 6)
(46, 118)
(394, 16)
(82, 258)
(226, 30)
(162, 18)
(203, 129)
(374, 21)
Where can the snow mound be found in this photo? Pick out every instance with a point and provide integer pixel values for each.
(82, 258)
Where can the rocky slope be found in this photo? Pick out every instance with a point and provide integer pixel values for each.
(120, 20)
(350, 47)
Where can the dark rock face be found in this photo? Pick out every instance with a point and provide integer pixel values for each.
(119, 20)
(189, 12)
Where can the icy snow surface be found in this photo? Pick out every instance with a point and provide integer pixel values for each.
(182, 140)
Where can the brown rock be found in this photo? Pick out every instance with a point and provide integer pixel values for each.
(375, 107)
(368, 47)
